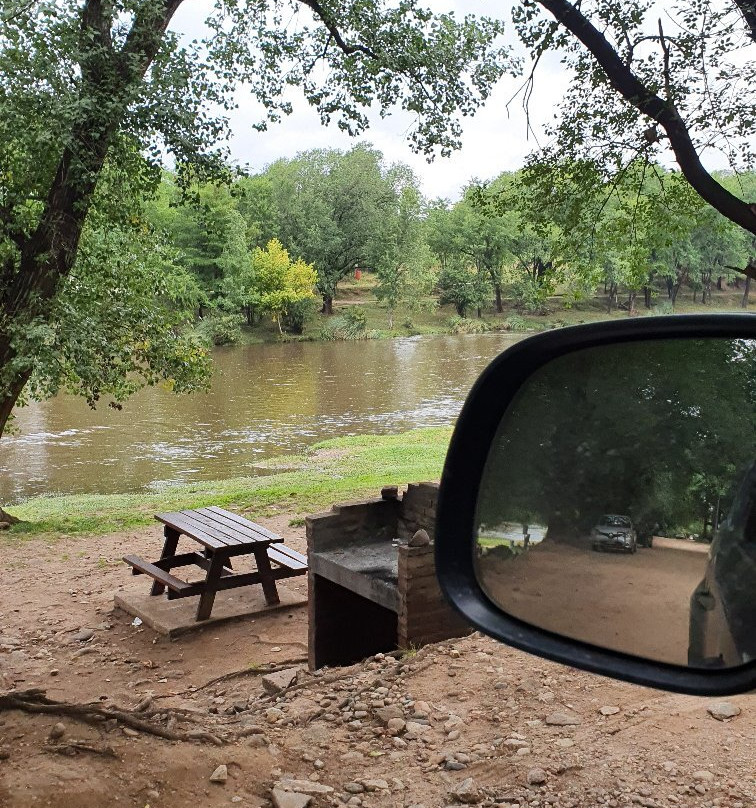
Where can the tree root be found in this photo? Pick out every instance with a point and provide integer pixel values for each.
(35, 701)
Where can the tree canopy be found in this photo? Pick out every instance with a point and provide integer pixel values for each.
(88, 87)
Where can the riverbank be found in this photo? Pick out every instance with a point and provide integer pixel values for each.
(330, 471)
(428, 317)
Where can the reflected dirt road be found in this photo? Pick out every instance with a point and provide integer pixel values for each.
(633, 603)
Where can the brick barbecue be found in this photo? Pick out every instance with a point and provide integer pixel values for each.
(369, 591)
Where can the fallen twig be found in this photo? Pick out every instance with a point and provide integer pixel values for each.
(35, 701)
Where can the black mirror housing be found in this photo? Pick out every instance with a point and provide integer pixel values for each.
(460, 488)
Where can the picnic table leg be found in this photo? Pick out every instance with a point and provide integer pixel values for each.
(169, 549)
(266, 576)
(207, 598)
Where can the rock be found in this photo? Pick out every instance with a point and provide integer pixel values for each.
(220, 775)
(609, 710)
(415, 728)
(280, 680)
(395, 725)
(385, 714)
(565, 742)
(703, 774)
(354, 788)
(419, 539)
(466, 792)
(536, 777)
(130, 733)
(257, 741)
(273, 714)
(83, 634)
(524, 751)
(515, 743)
(58, 731)
(375, 785)
(454, 735)
(302, 786)
(722, 710)
(289, 799)
(562, 720)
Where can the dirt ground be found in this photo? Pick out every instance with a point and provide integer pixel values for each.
(469, 721)
(638, 603)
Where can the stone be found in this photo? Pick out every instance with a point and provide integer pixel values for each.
(703, 774)
(289, 799)
(130, 733)
(302, 786)
(562, 720)
(536, 777)
(58, 731)
(419, 539)
(257, 741)
(466, 792)
(280, 680)
(565, 742)
(395, 725)
(375, 785)
(722, 710)
(515, 743)
(609, 710)
(415, 728)
(220, 775)
(385, 714)
(273, 714)
(83, 634)
(354, 788)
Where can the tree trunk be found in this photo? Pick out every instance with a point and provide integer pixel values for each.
(612, 297)
(327, 308)
(499, 304)
(746, 293)
(720, 280)
(479, 312)
(631, 303)
(8, 518)
(647, 296)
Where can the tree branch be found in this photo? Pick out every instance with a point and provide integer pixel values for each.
(748, 10)
(629, 86)
(333, 30)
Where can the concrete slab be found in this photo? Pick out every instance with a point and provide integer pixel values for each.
(176, 617)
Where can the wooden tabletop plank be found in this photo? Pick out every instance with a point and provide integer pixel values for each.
(239, 524)
(216, 529)
(192, 529)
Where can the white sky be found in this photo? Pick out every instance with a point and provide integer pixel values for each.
(494, 140)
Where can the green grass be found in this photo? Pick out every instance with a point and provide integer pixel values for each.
(331, 471)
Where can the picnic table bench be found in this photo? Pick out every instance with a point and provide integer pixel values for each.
(223, 536)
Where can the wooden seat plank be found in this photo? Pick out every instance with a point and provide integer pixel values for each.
(287, 560)
(240, 523)
(171, 581)
(178, 522)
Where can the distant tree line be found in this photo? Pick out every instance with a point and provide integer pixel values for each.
(267, 244)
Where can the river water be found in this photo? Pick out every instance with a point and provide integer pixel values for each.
(265, 400)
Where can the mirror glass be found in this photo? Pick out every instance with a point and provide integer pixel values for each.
(618, 501)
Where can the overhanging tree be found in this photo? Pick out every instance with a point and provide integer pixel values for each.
(644, 84)
(96, 83)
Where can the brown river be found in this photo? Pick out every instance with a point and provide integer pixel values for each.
(265, 400)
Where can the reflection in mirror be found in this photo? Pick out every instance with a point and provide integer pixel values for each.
(618, 501)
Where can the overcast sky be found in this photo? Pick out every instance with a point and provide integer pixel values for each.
(495, 140)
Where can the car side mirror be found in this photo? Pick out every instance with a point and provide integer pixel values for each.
(598, 501)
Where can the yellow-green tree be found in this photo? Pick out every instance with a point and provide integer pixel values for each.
(277, 283)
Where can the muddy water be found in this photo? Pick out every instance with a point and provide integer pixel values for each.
(265, 400)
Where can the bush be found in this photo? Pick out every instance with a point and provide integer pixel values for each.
(298, 314)
(463, 325)
(350, 324)
(220, 329)
(530, 296)
(515, 323)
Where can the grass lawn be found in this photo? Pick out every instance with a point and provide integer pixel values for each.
(331, 471)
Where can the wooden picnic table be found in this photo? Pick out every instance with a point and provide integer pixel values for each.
(223, 536)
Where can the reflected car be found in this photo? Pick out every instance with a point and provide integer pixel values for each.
(723, 606)
(614, 532)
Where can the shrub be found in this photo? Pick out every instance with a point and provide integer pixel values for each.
(220, 329)
(463, 325)
(515, 323)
